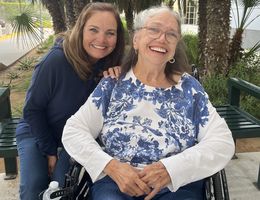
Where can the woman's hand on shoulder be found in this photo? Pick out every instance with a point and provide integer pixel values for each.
(156, 177)
(113, 72)
(127, 179)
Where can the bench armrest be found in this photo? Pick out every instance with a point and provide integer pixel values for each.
(235, 85)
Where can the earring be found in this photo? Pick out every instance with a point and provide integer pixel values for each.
(172, 61)
(136, 51)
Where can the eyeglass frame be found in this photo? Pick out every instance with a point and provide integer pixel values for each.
(150, 28)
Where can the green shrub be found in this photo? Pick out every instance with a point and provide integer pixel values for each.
(248, 70)
(191, 42)
(27, 63)
(126, 33)
(46, 45)
(216, 87)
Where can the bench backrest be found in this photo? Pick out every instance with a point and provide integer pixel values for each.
(5, 105)
(236, 85)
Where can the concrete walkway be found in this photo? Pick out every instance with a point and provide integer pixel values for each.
(241, 176)
(11, 51)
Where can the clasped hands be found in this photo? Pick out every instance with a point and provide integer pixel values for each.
(148, 181)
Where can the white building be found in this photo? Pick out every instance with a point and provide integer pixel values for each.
(251, 35)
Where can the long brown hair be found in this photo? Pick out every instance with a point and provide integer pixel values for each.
(73, 41)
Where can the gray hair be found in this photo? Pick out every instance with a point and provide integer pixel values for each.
(143, 16)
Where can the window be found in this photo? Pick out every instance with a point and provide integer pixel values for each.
(192, 12)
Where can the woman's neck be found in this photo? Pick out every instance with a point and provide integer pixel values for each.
(152, 76)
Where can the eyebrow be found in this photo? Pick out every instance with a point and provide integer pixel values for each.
(94, 26)
(159, 24)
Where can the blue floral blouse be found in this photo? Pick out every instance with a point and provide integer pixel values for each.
(144, 124)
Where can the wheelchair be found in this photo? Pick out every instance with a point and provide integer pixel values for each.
(78, 182)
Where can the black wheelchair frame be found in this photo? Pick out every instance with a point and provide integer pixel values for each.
(78, 182)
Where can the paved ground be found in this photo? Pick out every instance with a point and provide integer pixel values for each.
(11, 51)
(9, 189)
(241, 176)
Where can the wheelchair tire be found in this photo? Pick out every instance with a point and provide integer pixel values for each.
(218, 186)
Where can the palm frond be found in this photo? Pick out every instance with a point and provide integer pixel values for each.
(25, 29)
(251, 51)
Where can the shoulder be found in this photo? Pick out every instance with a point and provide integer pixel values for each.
(188, 82)
(56, 55)
(54, 61)
(104, 87)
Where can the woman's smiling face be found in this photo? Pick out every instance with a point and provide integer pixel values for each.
(157, 40)
(100, 35)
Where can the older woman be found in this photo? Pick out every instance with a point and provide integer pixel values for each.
(160, 136)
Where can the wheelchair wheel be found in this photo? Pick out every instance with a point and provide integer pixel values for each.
(216, 187)
(220, 186)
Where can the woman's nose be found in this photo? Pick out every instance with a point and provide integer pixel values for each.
(162, 36)
(101, 37)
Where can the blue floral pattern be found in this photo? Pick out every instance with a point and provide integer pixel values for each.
(143, 124)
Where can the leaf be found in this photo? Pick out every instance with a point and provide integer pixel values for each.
(25, 29)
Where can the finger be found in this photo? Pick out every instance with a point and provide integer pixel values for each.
(141, 174)
(111, 72)
(133, 190)
(150, 176)
(152, 194)
(151, 183)
(143, 186)
(105, 74)
(117, 71)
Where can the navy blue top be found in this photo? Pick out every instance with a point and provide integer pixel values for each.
(56, 92)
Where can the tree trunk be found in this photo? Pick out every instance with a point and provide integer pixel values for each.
(78, 6)
(235, 47)
(70, 15)
(217, 40)
(56, 10)
(170, 3)
(129, 20)
(202, 34)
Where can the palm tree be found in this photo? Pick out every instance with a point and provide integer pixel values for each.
(242, 24)
(169, 3)
(217, 39)
(202, 33)
(23, 27)
(78, 5)
(56, 10)
(70, 14)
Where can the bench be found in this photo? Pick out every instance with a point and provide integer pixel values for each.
(241, 123)
(8, 148)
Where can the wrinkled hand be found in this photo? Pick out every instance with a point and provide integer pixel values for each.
(51, 163)
(113, 72)
(127, 179)
(156, 177)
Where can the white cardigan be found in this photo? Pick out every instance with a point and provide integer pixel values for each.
(140, 124)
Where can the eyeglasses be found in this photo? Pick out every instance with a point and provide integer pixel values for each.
(153, 32)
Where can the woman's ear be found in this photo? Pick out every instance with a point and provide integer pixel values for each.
(135, 38)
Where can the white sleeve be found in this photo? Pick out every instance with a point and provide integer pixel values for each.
(214, 150)
(79, 136)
